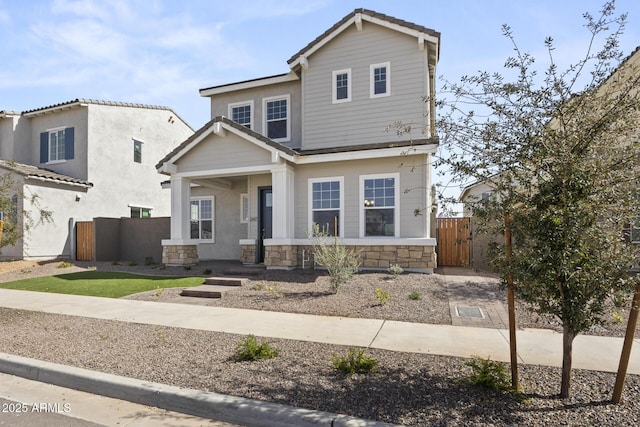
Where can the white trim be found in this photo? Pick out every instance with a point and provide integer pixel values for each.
(372, 68)
(267, 81)
(213, 218)
(334, 86)
(310, 209)
(243, 104)
(382, 241)
(287, 97)
(243, 197)
(396, 213)
(367, 154)
(130, 205)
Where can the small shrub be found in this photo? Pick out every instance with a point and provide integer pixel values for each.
(207, 271)
(25, 271)
(148, 260)
(65, 264)
(341, 263)
(354, 363)
(273, 290)
(116, 262)
(395, 270)
(257, 287)
(383, 297)
(415, 296)
(249, 350)
(617, 317)
(489, 374)
(132, 264)
(187, 267)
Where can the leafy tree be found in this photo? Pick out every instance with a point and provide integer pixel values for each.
(561, 150)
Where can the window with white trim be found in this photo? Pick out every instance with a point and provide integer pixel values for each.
(56, 145)
(326, 205)
(138, 212)
(202, 218)
(242, 113)
(380, 202)
(277, 111)
(244, 208)
(341, 81)
(380, 80)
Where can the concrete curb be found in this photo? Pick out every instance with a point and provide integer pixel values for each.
(188, 401)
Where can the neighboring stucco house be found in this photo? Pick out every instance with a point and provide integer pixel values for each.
(86, 159)
(284, 152)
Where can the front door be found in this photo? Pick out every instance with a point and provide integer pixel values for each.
(265, 222)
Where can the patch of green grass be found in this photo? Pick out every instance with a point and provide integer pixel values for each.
(100, 283)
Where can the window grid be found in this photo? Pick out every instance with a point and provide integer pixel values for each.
(242, 115)
(276, 118)
(202, 219)
(379, 192)
(56, 145)
(342, 86)
(380, 80)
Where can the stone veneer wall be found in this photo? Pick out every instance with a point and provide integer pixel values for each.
(180, 254)
(248, 254)
(375, 257)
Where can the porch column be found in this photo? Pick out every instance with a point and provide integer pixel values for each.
(180, 208)
(282, 182)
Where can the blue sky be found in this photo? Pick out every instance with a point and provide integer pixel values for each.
(162, 52)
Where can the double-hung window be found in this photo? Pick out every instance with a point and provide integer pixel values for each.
(56, 145)
(379, 205)
(380, 80)
(202, 218)
(242, 113)
(341, 86)
(277, 111)
(326, 201)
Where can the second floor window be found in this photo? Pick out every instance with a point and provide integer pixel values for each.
(56, 145)
(380, 77)
(241, 113)
(277, 118)
(137, 151)
(341, 86)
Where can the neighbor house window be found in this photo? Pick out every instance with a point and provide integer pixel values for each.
(244, 208)
(341, 86)
(202, 219)
(276, 118)
(379, 205)
(137, 212)
(241, 113)
(56, 145)
(326, 201)
(137, 151)
(380, 75)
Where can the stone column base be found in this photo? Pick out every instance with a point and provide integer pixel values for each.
(178, 255)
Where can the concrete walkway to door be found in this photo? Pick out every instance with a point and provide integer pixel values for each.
(474, 298)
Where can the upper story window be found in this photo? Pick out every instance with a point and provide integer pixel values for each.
(277, 111)
(242, 113)
(202, 218)
(326, 201)
(380, 80)
(138, 212)
(137, 151)
(380, 203)
(56, 145)
(341, 86)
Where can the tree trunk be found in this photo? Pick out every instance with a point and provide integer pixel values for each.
(567, 349)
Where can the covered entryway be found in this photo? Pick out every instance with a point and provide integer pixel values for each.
(454, 242)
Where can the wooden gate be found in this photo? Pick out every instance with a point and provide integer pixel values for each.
(84, 241)
(454, 242)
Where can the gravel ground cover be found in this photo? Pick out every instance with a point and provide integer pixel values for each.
(409, 389)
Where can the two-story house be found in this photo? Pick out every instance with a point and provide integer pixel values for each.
(85, 159)
(309, 146)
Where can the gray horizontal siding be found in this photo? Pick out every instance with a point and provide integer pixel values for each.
(363, 119)
(215, 152)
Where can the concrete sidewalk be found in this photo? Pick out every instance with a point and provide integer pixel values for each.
(535, 346)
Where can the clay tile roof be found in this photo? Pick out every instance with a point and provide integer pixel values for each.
(30, 171)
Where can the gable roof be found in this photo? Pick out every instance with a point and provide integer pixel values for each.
(33, 172)
(357, 16)
(216, 124)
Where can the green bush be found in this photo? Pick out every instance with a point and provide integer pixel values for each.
(489, 374)
(354, 363)
(415, 296)
(341, 263)
(383, 297)
(395, 270)
(249, 350)
(65, 264)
